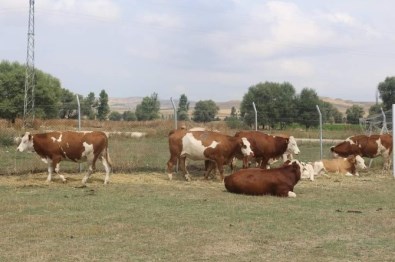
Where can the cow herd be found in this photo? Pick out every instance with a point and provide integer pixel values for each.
(218, 150)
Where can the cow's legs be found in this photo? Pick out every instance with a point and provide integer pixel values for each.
(91, 169)
(209, 166)
(170, 166)
(53, 165)
(107, 166)
(184, 168)
(220, 166)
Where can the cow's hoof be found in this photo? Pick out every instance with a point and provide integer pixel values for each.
(170, 176)
(291, 194)
(187, 178)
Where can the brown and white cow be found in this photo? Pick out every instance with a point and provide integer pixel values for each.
(257, 181)
(54, 147)
(268, 147)
(348, 166)
(366, 146)
(204, 145)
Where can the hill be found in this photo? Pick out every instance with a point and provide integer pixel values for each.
(130, 103)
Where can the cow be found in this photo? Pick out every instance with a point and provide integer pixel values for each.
(366, 146)
(257, 181)
(307, 171)
(268, 147)
(204, 145)
(348, 166)
(53, 147)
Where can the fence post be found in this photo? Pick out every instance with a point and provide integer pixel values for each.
(393, 141)
(319, 112)
(79, 124)
(256, 116)
(384, 128)
(175, 113)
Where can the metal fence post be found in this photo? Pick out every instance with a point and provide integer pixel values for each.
(319, 112)
(256, 116)
(79, 124)
(175, 113)
(393, 141)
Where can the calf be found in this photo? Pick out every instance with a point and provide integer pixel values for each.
(256, 181)
(204, 145)
(54, 147)
(347, 166)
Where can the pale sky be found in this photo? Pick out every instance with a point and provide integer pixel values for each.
(206, 49)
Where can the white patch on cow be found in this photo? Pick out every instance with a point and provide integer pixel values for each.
(291, 194)
(360, 162)
(54, 139)
(292, 147)
(193, 148)
(349, 140)
(319, 168)
(348, 174)
(246, 149)
(307, 171)
(46, 160)
(88, 150)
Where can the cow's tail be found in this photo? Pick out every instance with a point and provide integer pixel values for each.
(107, 157)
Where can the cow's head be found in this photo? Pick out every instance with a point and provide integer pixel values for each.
(292, 147)
(246, 148)
(26, 143)
(346, 148)
(359, 162)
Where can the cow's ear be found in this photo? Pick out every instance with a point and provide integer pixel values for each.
(30, 137)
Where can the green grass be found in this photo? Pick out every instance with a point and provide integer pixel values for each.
(145, 217)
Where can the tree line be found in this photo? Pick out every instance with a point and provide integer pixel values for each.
(278, 105)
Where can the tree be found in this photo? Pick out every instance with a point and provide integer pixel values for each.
(330, 113)
(354, 113)
(205, 111)
(115, 116)
(149, 108)
(69, 105)
(387, 92)
(375, 109)
(89, 105)
(307, 108)
(47, 94)
(233, 112)
(183, 108)
(103, 108)
(129, 116)
(274, 102)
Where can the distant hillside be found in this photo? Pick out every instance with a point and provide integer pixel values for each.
(130, 103)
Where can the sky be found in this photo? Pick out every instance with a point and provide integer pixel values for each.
(206, 49)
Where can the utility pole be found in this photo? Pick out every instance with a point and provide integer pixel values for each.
(28, 105)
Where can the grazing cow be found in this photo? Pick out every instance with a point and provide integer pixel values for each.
(204, 145)
(54, 147)
(256, 181)
(366, 146)
(267, 147)
(347, 166)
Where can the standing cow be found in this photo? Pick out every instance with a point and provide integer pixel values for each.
(366, 146)
(54, 147)
(204, 145)
(257, 181)
(267, 147)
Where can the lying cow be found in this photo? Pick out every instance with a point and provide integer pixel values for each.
(256, 181)
(268, 147)
(347, 166)
(54, 147)
(204, 145)
(307, 171)
(366, 146)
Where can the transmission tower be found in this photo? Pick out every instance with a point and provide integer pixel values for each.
(28, 105)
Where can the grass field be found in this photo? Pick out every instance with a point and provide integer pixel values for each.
(142, 216)
(145, 217)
